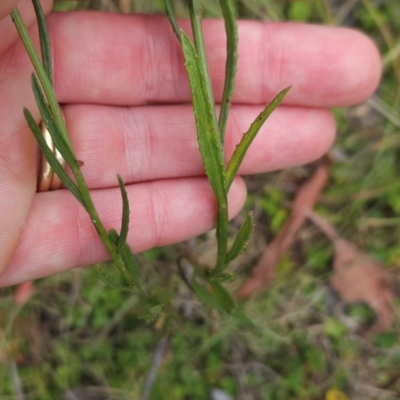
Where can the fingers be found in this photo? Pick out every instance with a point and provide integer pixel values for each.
(158, 142)
(8, 33)
(6, 6)
(127, 60)
(59, 234)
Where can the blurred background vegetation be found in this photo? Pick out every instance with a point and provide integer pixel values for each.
(77, 339)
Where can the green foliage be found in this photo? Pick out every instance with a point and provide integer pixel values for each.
(291, 341)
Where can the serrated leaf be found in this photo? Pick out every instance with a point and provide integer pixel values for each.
(44, 40)
(223, 296)
(242, 238)
(248, 137)
(51, 158)
(206, 124)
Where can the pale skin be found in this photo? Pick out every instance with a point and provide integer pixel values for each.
(124, 92)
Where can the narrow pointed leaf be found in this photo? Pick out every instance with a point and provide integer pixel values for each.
(172, 20)
(44, 40)
(249, 136)
(228, 13)
(242, 238)
(59, 141)
(125, 214)
(51, 158)
(223, 296)
(207, 130)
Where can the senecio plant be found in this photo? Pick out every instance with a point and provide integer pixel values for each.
(206, 282)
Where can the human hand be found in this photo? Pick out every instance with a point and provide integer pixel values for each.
(126, 101)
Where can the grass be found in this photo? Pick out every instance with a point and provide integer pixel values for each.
(290, 342)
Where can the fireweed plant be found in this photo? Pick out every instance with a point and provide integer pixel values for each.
(206, 282)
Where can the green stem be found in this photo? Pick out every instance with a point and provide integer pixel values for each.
(231, 63)
(59, 121)
(195, 10)
(41, 73)
(222, 237)
(94, 216)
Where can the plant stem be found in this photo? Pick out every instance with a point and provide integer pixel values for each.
(231, 63)
(59, 121)
(41, 73)
(195, 9)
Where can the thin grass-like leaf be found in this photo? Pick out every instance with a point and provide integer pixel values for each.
(44, 40)
(172, 20)
(40, 71)
(228, 13)
(249, 136)
(207, 132)
(196, 14)
(222, 296)
(209, 141)
(242, 238)
(61, 145)
(125, 214)
(51, 158)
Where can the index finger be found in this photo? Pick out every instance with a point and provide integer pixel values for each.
(132, 60)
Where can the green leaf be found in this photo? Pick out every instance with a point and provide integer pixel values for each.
(249, 136)
(125, 214)
(228, 13)
(242, 238)
(172, 19)
(44, 40)
(223, 296)
(130, 262)
(113, 235)
(62, 146)
(51, 158)
(207, 130)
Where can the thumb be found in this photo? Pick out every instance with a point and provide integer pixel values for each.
(6, 7)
